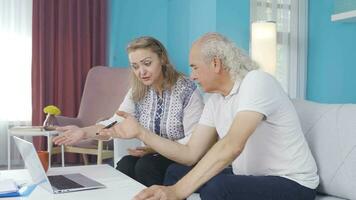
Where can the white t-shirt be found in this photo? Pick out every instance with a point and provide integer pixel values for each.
(277, 147)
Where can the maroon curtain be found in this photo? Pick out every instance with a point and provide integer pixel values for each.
(68, 38)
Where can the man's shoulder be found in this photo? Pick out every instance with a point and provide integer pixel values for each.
(258, 78)
(257, 75)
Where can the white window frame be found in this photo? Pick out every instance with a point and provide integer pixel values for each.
(297, 80)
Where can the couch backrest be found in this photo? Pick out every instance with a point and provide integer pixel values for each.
(104, 90)
(330, 130)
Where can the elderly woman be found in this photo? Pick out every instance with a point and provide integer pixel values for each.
(161, 99)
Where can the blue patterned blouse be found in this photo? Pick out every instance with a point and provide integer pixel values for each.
(171, 115)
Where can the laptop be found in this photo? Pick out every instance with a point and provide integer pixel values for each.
(57, 183)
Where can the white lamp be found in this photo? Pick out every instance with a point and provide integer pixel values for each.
(264, 45)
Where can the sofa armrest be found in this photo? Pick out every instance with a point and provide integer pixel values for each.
(64, 121)
(121, 146)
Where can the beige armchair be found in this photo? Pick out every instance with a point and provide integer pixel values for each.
(104, 90)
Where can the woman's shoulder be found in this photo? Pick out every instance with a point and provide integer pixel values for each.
(185, 83)
(184, 90)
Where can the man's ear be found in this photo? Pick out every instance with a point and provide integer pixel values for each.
(217, 64)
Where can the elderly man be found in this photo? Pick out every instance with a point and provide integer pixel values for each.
(249, 123)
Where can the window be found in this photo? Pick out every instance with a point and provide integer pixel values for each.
(15, 69)
(15, 60)
(291, 18)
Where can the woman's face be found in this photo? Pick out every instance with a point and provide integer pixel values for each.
(147, 66)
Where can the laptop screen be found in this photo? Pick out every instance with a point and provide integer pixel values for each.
(33, 163)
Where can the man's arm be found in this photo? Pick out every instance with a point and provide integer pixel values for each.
(202, 139)
(217, 158)
(222, 153)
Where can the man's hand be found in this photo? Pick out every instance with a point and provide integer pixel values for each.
(127, 129)
(158, 192)
(71, 135)
(140, 151)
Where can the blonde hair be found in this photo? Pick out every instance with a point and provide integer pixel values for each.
(170, 74)
(235, 61)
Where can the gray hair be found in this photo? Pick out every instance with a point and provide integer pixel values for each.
(234, 60)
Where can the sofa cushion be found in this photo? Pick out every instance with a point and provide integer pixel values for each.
(330, 130)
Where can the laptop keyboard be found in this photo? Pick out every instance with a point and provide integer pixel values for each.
(61, 182)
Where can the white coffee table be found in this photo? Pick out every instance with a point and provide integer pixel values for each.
(118, 185)
(32, 131)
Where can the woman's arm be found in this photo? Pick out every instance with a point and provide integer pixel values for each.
(73, 134)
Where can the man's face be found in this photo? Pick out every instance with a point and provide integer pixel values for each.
(202, 73)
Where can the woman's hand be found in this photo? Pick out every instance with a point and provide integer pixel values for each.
(127, 129)
(140, 151)
(71, 135)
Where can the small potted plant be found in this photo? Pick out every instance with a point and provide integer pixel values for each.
(51, 112)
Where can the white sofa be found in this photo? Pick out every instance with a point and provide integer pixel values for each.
(330, 130)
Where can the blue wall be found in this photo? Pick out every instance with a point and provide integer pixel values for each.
(176, 23)
(233, 20)
(344, 6)
(331, 56)
(202, 18)
(178, 34)
(129, 19)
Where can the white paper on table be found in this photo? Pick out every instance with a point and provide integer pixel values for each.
(7, 186)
